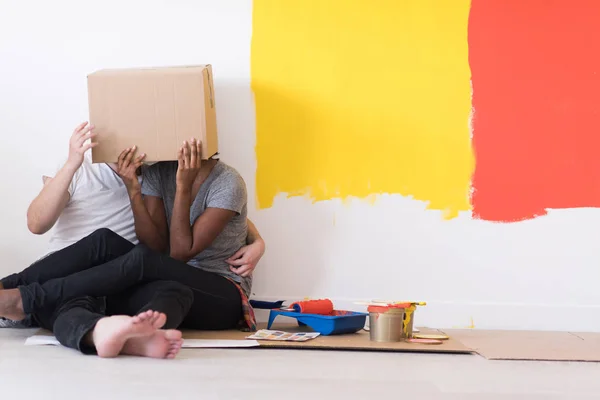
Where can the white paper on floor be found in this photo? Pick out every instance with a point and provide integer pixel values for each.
(218, 344)
(47, 340)
(41, 340)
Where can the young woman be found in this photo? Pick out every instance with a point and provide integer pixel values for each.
(197, 210)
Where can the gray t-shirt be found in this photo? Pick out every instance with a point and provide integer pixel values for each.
(223, 188)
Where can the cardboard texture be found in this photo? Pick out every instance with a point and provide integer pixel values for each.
(528, 345)
(155, 109)
(356, 341)
(492, 345)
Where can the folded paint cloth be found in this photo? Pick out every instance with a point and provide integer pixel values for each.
(248, 321)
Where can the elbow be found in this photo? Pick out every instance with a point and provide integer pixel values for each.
(155, 243)
(35, 227)
(181, 253)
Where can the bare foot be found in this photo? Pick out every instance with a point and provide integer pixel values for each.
(11, 306)
(155, 318)
(162, 344)
(111, 333)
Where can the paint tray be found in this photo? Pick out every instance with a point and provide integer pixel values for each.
(336, 323)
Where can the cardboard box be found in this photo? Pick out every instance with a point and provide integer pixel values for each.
(155, 109)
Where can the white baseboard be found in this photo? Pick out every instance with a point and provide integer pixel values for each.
(511, 316)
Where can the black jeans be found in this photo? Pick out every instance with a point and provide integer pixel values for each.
(107, 265)
(75, 318)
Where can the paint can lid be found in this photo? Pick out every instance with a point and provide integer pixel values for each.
(391, 308)
(430, 336)
(424, 341)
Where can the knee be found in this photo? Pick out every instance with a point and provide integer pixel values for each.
(142, 251)
(104, 235)
(187, 295)
(183, 292)
(105, 238)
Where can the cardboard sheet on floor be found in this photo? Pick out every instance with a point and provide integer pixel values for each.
(530, 345)
(356, 341)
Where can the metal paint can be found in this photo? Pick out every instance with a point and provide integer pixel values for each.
(386, 323)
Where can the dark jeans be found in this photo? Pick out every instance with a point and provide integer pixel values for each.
(74, 319)
(107, 265)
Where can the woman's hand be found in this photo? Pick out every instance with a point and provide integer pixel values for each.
(127, 169)
(189, 162)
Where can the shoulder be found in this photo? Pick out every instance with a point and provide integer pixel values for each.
(226, 173)
(228, 177)
(227, 189)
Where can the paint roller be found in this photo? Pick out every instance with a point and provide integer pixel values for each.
(321, 307)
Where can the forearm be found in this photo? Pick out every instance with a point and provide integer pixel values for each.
(145, 228)
(45, 209)
(180, 233)
(253, 234)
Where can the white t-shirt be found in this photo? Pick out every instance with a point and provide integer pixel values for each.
(99, 199)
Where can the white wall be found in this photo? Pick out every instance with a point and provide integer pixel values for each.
(540, 274)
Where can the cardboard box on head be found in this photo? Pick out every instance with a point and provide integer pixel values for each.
(155, 109)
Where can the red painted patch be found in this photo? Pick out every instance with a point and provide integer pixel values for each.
(536, 93)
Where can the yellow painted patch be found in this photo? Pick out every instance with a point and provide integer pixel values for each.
(362, 97)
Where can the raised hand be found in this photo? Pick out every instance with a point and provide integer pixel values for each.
(78, 144)
(127, 167)
(189, 160)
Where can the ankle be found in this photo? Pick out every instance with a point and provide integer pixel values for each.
(11, 304)
(88, 339)
(91, 337)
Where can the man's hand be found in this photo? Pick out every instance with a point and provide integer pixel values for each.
(127, 169)
(245, 260)
(78, 145)
(189, 162)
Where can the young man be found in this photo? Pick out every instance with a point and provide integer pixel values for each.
(83, 197)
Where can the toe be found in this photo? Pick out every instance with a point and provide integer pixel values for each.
(173, 334)
(153, 317)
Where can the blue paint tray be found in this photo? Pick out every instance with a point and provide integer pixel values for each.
(337, 323)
